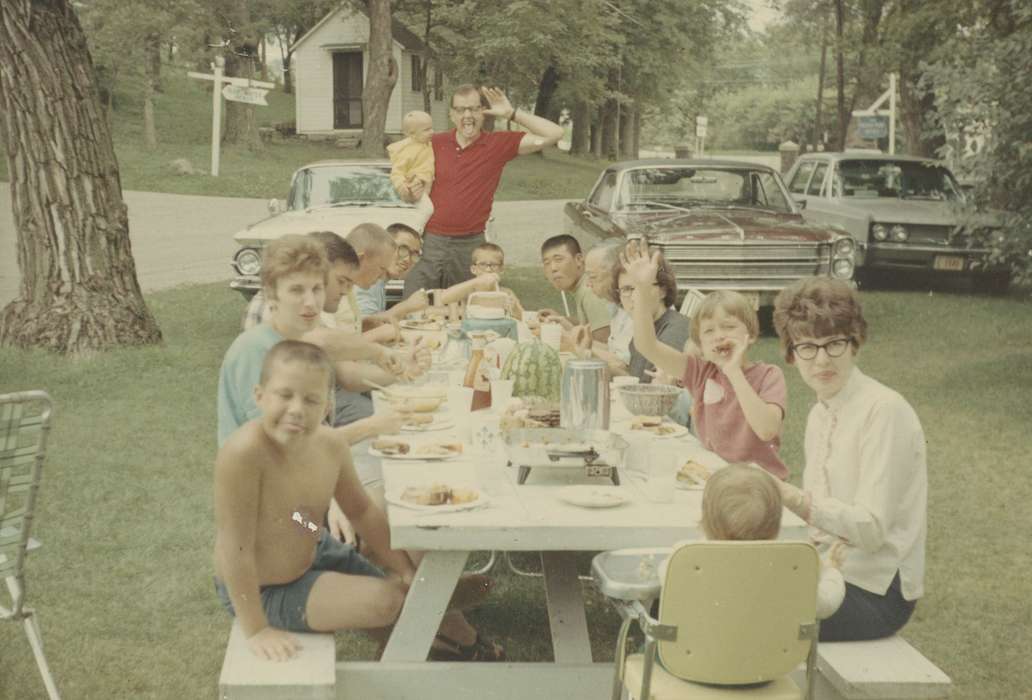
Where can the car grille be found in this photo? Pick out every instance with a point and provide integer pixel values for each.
(752, 266)
(928, 234)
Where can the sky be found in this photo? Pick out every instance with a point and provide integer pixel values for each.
(762, 14)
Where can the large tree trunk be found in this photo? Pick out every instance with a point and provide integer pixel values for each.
(627, 121)
(241, 55)
(380, 78)
(580, 139)
(596, 132)
(817, 131)
(151, 85)
(608, 113)
(78, 289)
(428, 25)
(547, 86)
(840, 75)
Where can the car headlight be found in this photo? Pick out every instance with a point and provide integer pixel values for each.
(844, 247)
(899, 234)
(842, 268)
(248, 261)
(879, 232)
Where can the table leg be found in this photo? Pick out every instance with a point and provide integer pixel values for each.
(566, 618)
(425, 605)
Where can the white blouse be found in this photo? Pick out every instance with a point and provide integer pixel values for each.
(867, 474)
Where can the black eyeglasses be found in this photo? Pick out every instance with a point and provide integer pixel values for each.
(405, 253)
(833, 348)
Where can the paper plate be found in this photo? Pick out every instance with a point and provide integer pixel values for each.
(668, 429)
(394, 498)
(413, 455)
(437, 424)
(592, 496)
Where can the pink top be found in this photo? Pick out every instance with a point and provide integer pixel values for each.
(719, 420)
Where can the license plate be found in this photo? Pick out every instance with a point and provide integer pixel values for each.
(954, 263)
(753, 298)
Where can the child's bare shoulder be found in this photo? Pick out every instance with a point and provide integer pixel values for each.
(245, 449)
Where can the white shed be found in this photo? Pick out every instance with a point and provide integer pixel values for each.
(330, 64)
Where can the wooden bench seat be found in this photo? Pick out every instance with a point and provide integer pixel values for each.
(881, 669)
(311, 675)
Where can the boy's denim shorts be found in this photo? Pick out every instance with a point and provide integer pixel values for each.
(285, 603)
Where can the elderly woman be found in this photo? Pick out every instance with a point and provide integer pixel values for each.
(865, 481)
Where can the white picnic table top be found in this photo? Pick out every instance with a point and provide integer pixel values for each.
(528, 517)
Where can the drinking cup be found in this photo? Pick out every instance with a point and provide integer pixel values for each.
(552, 335)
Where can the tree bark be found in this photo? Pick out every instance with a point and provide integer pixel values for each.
(241, 54)
(154, 61)
(381, 76)
(840, 75)
(547, 86)
(607, 118)
(627, 112)
(151, 85)
(580, 139)
(428, 25)
(817, 131)
(596, 132)
(78, 291)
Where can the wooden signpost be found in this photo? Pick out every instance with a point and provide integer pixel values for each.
(869, 127)
(233, 89)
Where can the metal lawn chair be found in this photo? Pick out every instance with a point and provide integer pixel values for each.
(735, 618)
(24, 425)
(691, 303)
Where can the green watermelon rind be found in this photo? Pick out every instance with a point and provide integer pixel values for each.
(535, 370)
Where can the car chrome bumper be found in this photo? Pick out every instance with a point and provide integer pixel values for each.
(247, 285)
(936, 258)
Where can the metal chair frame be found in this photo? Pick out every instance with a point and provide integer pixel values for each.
(23, 442)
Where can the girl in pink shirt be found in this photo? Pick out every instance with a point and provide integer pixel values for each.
(738, 406)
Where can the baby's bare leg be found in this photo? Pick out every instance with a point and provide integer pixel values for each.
(344, 601)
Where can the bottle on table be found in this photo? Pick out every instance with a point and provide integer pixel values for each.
(477, 377)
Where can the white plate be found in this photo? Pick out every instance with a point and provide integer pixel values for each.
(678, 430)
(437, 424)
(395, 498)
(414, 457)
(688, 486)
(420, 325)
(592, 496)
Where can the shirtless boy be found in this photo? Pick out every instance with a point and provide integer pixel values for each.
(276, 568)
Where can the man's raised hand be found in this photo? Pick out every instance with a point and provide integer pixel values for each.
(500, 105)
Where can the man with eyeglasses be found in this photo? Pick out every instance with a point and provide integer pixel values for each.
(372, 300)
(468, 164)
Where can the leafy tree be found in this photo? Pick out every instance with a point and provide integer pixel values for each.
(288, 21)
(79, 291)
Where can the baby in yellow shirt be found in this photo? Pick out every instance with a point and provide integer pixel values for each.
(412, 159)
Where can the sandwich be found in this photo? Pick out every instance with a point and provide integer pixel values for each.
(438, 449)
(438, 495)
(391, 447)
(415, 420)
(646, 422)
(693, 473)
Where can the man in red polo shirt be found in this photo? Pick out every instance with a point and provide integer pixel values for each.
(468, 164)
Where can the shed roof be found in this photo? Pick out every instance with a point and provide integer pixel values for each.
(401, 34)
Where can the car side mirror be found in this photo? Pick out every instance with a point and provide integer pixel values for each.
(276, 206)
(801, 203)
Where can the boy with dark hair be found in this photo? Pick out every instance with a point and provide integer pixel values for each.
(563, 264)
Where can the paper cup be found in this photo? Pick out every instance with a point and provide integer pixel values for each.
(552, 335)
(661, 478)
(501, 393)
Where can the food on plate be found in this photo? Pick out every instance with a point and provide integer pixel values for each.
(415, 404)
(415, 419)
(438, 495)
(434, 449)
(391, 447)
(693, 473)
(535, 370)
(646, 422)
(422, 324)
(431, 343)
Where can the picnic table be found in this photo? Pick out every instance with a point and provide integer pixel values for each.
(528, 517)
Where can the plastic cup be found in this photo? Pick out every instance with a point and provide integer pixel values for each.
(660, 481)
(501, 393)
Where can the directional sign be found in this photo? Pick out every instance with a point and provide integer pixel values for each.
(872, 128)
(238, 93)
(700, 130)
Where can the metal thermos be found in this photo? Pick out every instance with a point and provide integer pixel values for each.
(584, 401)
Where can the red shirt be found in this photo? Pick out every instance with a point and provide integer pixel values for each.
(719, 420)
(465, 180)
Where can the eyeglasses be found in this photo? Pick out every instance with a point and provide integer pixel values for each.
(489, 266)
(405, 253)
(833, 348)
(468, 108)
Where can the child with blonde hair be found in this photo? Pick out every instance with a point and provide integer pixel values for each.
(738, 407)
(412, 160)
(741, 502)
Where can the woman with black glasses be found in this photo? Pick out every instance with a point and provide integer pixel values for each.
(865, 482)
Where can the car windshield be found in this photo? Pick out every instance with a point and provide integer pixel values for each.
(895, 178)
(346, 185)
(672, 188)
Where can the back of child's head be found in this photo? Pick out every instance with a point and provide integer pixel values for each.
(337, 249)
(289, 254)
(290, 351)
(731, 303)
(488, 248)
(741, 503)
(818, 307)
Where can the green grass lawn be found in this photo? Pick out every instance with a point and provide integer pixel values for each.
(123, 582)
(183, 116)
